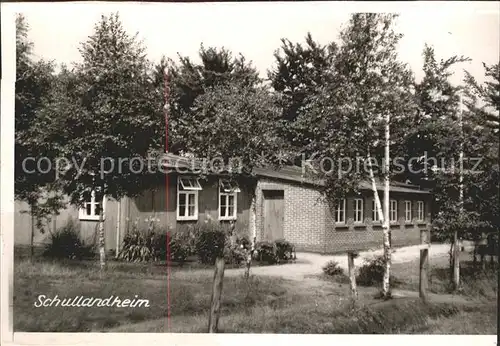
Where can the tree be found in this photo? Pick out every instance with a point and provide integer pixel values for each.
(190, 80)
(439, 140)
(483, 105)
(106, 120)
(34, 80)
(235, 122)
(488, 94)
(298, 71)
(368, 93)
(232, 122)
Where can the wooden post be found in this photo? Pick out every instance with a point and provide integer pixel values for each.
(213, 319)
(424, 265)
(352, 275)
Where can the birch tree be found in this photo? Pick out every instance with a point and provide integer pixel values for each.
(440, 136)
(362, 113)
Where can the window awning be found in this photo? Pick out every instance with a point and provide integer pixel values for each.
(189, 183)
(228, 187)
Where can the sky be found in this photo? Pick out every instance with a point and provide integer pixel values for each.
(255, 29)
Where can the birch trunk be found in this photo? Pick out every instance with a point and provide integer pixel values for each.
(456, 261)
(383, 213)
(456, 245)
(386, 227)
(102, 249)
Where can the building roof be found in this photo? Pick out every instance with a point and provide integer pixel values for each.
(288, 173)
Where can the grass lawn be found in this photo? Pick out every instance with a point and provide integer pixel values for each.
(264, 305)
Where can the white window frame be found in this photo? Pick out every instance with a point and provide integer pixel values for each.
(227, 189)
(340, 211)
(82, 213)
(375, 215)
(420, 211)
(190, 183)
(393, 210)
(358, 209)
(188, 186)
(408, 212)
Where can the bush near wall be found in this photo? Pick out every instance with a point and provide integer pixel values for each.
(274, 252)
(206, 241)
(66, 243)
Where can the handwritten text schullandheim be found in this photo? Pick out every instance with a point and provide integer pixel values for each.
(82, 301)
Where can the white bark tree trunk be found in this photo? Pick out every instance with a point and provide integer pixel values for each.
(386, 227)
(102, 249)
(456, 245)
(456, 261)
(383, 213)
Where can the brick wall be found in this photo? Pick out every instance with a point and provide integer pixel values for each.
(309, 223)
(369, 234)
(304, 214)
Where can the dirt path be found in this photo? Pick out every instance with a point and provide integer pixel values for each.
(311, 264)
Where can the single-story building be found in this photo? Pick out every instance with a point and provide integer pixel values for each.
(287, 206)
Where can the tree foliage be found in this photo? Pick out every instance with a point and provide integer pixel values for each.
(189, 80)
(346, 114)
(105, 109)
(34, 80)
(488, 94)
(298, 71)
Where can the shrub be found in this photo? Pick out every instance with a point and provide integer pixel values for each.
(210, 245)
(180, 248)
(264, 252)
(138, 246)
(372, 272)
(332, 268)
(278, 251)
(65, 243)
(190, 234)
(284, 250)
(237, 253)
(159, 245)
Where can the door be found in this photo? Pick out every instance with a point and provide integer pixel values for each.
(273, 214)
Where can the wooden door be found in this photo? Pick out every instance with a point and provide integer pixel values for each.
(273, 214)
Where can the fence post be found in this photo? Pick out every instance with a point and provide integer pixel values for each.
(424, 264)
(213, 320)
(352, 275)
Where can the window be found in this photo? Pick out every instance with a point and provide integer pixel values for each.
(228, 196)
(190, 184)
(420, 211)
(393, 211)
(91, 209)
(408, 211)
(187, 198)
(375, 214)
(358, 210)
(340, 212)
